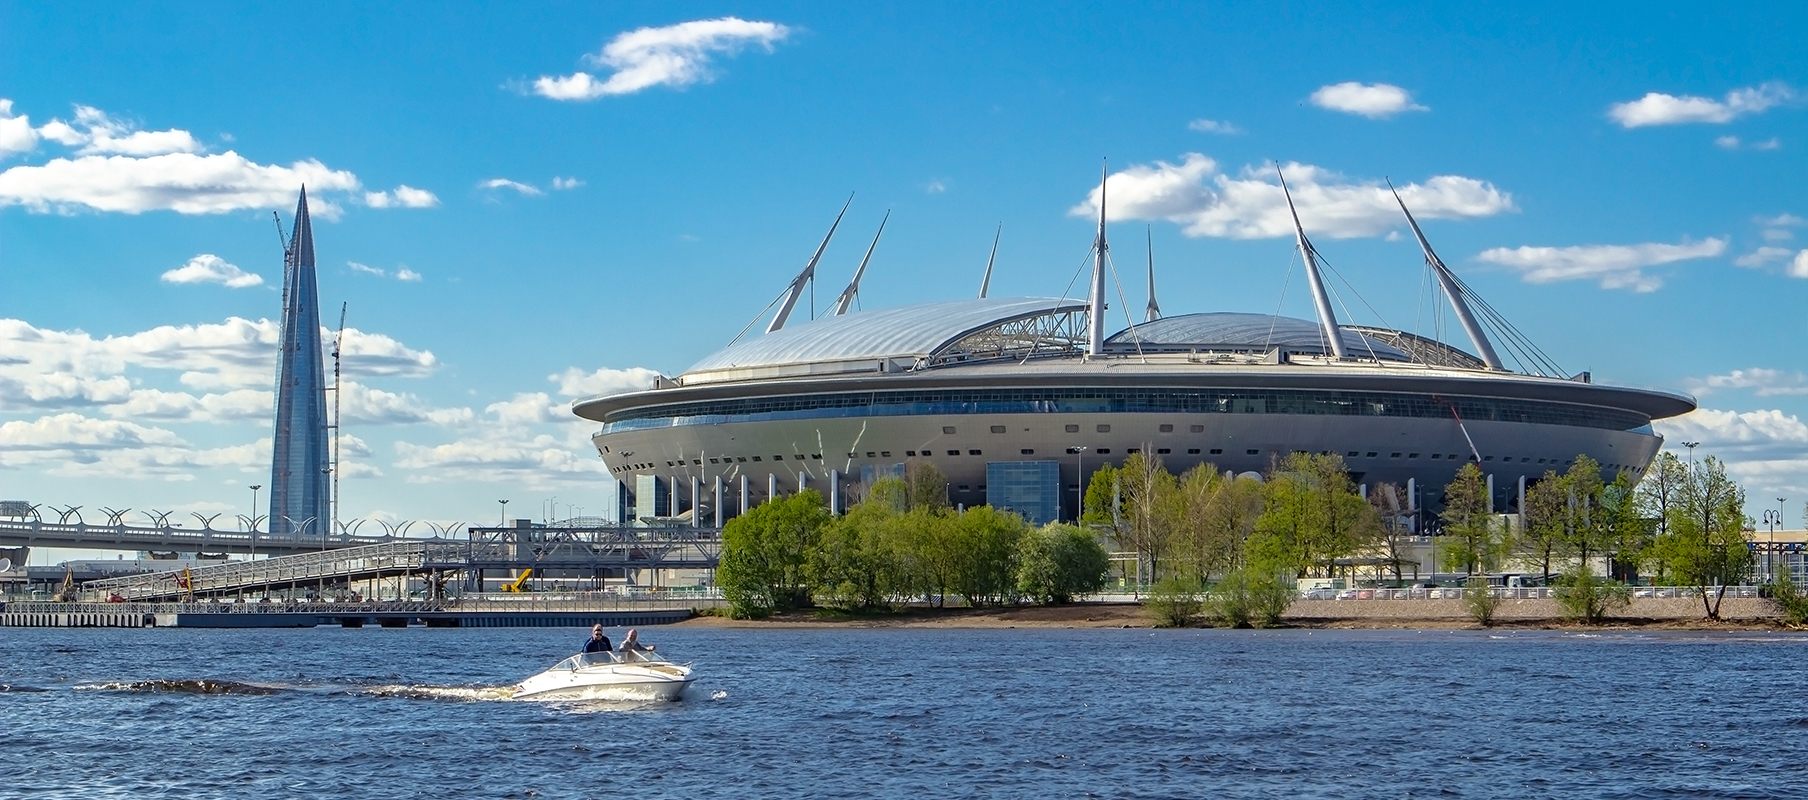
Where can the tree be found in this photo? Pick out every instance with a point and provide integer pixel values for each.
(1217, 514)
(1150, 498)
(855, 564)
(1395, 522)
(764, 553)
(1661, 488)
(1312, 515)
(1249, 596)
(1706, 547)
(987, 541)
(928, 487)
(1545, 508)
(1471, 536)
(1059, 562)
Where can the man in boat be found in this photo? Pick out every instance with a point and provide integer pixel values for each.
(631, 648)
(598, 643)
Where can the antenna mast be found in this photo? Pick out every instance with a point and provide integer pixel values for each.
(1095, 324)
(986, 284)
(1326, 317)
(338, 340)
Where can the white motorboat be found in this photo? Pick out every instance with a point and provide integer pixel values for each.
(608, 676)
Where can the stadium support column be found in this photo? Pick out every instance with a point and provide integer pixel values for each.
(834, 492)
(1412, 503)
(803, 482)
(1490, 493)
(771, 486)
(1521, 508)
(717, 508)
(746, 497)
(696, 492)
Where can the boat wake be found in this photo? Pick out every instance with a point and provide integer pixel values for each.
(450, 693)
(203, 686)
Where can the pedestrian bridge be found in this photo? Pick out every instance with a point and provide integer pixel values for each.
(117, 535)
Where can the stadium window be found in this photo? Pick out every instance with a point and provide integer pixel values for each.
(1167, 429)
(712, 461)
(742, 459)
(1104, 451)
(869, 454)
(998, 429)
(1452, 456)
(963, 487)
(913, 453)
(1192, 451)
(948, 430)
(779, 457)
(756, 458)
(1352, 454)
(972, 452)
(1370, 455)
(1217, 451)
(1162, 451)
(1072, 450)
(1196, 428)
(885, 454)
(1412, 455)
(856, 455)
(1027, 451)
(816, 456)
(1437, 455)
(1488, 458)
(696, 462)
(954, 452)
(1073, 429)
(1395, 455)
(1104, 429)
(1134, 450)
(1252, 452)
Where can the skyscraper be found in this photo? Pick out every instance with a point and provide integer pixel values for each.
(300, 502)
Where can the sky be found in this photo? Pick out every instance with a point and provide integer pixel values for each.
(517, 206)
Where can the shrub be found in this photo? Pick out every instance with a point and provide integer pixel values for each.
(1479, 598)
(1174, 603)
(1245, 598)
(1060, 562)
(1789, 599)
(1588, 598)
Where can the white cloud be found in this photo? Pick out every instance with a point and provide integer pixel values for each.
(407, 275)
(1781, 221)
(576, 383)
(16, 133)
(70, 431)
(1206, 202)
(98, 133)
(1372, 100)
(238, 405)
(675, 55)
(368, 406)
(1213, 126)
(1766, 450)
(935, 187)
(1762, 256)
(1798, 268)
(403, 274)
(70, 445)
(1615, 266)
(505, 183)
(403, 196)
(1728, 142)
(209, 268)
(563, 184)
(1734, 143)
(1766, 382)
(1657, 108)
(182, 182)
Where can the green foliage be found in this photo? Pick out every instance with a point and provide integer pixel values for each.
(926, 486)
(1473, 541)
(1705, 546)
(1479, 600)
(1312, 514)
(1104, 507)
(764, 553)
(1247, 597)
(1174, 603)
(1588, 598)
(1789, 599)
(986, 543)
(856, 564)
(1060, 562)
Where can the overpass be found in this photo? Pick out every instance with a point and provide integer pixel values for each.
(117, 535)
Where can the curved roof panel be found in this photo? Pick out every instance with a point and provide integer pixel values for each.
(1231, 331)
(903, 332)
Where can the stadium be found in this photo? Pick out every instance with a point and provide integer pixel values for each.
(1016, 400)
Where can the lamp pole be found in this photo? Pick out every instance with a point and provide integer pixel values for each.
(1691, 446)
(253, 519)
(1079, 486)
(504, 521)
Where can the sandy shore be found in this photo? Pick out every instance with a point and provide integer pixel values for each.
(1130, 615)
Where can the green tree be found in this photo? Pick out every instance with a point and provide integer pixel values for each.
(1151, 502)
(1059, 562)
(1312, 515)
(928, 487)
(855, 564)
(1546, 509)
(1249, 596)
(1661, 488)
(1588, 598)
(1706, 547)
(1471, 537)
(987, 541)
(765, 552)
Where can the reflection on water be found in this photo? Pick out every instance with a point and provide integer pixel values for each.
(909, 713)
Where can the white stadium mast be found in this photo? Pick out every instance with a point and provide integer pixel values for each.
(853, 287)
(985, 284)
(1152, 312)
(1320, 300)
(1448, 281)
(802, 281)
(1095, 306)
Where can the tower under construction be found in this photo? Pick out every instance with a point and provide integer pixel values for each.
(300, 502)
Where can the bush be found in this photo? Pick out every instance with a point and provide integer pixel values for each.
(1174, 603)
(1246, 598)
(1588, 598)
(1479, 598)
(1789, 599)
(1060, 562)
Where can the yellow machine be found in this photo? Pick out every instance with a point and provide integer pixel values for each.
(519, 584)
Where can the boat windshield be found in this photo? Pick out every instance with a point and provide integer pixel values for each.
(582, 660)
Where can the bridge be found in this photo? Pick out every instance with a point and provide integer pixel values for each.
(164, 536)
(580, 553)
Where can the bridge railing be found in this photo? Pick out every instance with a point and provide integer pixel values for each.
(168, 537)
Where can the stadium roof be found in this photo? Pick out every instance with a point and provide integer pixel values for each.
(914, 331)
(1237, 332)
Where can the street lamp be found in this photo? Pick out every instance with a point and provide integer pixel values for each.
(1079, 486)
(1691, 446)
(504, 522)
(253, 519)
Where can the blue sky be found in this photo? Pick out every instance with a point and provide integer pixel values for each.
(1623, 181)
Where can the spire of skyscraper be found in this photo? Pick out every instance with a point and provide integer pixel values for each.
(300, 503)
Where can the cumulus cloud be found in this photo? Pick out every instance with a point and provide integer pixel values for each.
(675, 55)
(1658, 108)
(562, 184)
(407, 275)
(209, 268)
(238, 405)
(403, 196)
(1765, 382)
(16, 133)
(96, 132)
(1615, 266)
(369, 406)
(71, 445)
(1372, 100)
(1735, 143)
(1763, 255)
(505, 183)
(403, 274)
(186, 183)
(1213, 126)
(1798, 267)
(576, 383)
(1767, 450)
(1204, 201)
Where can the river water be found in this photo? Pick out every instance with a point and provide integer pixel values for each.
(909, 713)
